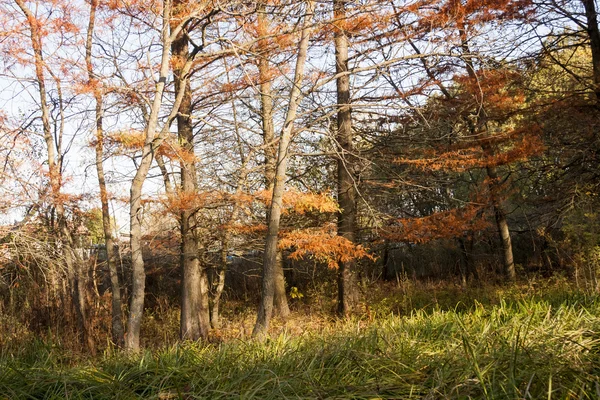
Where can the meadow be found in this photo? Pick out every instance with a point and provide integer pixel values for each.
(422, 342)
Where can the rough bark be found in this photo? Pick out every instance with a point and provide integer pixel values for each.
(346, 190)
(118, 333)
(152, 140)
(492, 172)
(281, 306)
(195, 318)
(74, 265)
(265, 309)
(136, 304)
(502, 224)
(215, 316)
(594, 35)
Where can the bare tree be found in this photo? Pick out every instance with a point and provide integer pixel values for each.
(268, 130)
(265, 308)
(346, 185)
(75, 267)
(118, 333)
(195, 320)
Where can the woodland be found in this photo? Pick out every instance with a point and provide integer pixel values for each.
(305, 199)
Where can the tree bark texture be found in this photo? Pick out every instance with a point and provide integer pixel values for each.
(195, 317)
(118, 332)
(346, 190)
(594, 35)
(74, 265)
(281, 306)
(265, 309)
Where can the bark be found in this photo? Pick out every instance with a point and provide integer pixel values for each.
(118, 333)
(74, 265)
(280, 303)
(281, 306)
(345, 165)
(594, 35)
(492, 172)
(195, 319)
(153, 139)
(265, 308)
(136, 305)
(215, 316)
(468, 271)
(165, 174)
(502, 224)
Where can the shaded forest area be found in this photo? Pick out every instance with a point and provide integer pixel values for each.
(208, 170)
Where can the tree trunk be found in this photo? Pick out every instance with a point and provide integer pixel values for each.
(594, 35)
(492, 172)
(468, 271)
(53, 149)
(345, 165)
(136, 304)
(385, 260)
(215, 317)
(280, 303)
(265, 308)
(118, 333)
(152, 140)
(195, 318)
(502, 224)
(281, 306)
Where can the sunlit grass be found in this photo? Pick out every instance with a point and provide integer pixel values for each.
(516, 347)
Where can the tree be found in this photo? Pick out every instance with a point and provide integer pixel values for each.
(94, 82)
(467, 20)
(346, 185)
(594, 36)
(195, 320)
(265, 308)
(54, 150)
(269, 142)
(153, 138)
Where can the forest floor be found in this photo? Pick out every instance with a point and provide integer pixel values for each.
(535, 340)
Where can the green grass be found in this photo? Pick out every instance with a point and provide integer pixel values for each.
(519, 348)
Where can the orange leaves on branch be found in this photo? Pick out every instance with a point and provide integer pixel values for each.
(173, 150)
(270, 36)
(245, 229)
(323, 245)
(355, 24)
(494, 89)
(179, 201)
(133, 140)
(137, 6)
(86, 86)
(441, 225)
(474, 154)
(177, 62)
(126, 141)
(442, 13)
(301, 202)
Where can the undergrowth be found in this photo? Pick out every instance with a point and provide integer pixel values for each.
(516, 345)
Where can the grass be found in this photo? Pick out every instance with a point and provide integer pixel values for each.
(514, 345)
